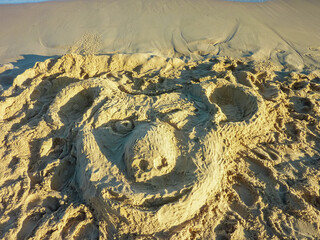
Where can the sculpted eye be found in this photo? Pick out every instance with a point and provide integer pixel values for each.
(123, 126)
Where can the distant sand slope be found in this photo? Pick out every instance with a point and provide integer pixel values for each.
(145, 147)
(285, 31)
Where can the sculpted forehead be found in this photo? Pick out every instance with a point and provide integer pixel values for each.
(177, 109)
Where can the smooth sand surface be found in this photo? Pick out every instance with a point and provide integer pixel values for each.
(203, 123)
(285, 31)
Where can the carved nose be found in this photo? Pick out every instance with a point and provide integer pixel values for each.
(150, 151)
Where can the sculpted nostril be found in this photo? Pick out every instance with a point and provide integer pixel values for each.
(164, 163)
(143, 165)
(152, 149)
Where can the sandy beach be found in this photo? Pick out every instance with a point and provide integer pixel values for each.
(160, 120)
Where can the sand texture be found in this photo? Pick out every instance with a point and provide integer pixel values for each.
(146, 147)
(283, 31)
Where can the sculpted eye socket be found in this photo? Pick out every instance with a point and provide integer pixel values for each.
(123, 126)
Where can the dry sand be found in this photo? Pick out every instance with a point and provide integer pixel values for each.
(286, 31)
(164, 142)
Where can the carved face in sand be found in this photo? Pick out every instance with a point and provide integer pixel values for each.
(146, 158)
(145, 147)
(155, 158)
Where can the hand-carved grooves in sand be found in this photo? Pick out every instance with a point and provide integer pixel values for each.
(158, 193)
(159, 157)
(150, 151)
(151, 159)
(72, 102)
(130, 163)
(76, 106)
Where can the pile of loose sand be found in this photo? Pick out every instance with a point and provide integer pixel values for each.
(146, 147)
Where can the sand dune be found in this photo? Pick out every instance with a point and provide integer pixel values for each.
(283, 31)
(192, 120)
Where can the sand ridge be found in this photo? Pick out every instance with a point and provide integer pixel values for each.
(142, 146)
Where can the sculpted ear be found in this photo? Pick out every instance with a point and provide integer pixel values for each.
(73, 103)
(236, 102)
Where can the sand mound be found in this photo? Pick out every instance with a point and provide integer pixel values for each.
(140, 146)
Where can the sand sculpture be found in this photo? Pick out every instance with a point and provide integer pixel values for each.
(139, 146)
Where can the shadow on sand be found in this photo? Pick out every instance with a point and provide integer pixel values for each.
(18, 67)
